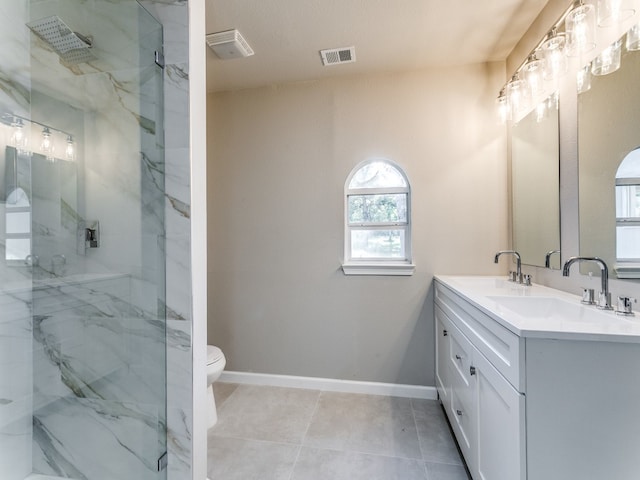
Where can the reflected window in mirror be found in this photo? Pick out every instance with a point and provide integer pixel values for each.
(608, 134)
(17, 206)
(628, 210)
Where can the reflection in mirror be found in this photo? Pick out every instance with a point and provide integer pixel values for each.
(535, 183)
(40, 210)
(17, 217)
(608, 140)
(628, 216)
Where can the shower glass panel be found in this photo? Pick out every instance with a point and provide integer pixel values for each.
(82, 263)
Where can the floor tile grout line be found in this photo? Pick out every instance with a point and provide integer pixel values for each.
(257, 440)
(361, 452)
(304, 436)
(415, 423)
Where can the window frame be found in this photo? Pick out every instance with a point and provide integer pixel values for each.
(383, 265)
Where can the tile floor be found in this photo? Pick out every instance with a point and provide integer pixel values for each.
(275, 433)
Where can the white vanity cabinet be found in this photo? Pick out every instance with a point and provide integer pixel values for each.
(548, 393)
(485, 410)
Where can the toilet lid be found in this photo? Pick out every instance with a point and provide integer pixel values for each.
(213, 354)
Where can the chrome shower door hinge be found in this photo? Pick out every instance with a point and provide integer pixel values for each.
(162, 462)
(159, 58)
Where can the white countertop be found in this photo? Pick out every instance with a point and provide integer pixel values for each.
(575, 322)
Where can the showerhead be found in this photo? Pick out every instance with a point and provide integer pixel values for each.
(72, 47)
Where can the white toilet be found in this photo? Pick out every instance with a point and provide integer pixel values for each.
(215, 366)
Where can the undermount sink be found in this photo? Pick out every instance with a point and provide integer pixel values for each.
(551, 308)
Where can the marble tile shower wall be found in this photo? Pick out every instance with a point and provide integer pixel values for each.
(69, 315)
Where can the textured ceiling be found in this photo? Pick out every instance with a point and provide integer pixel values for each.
(389, 35)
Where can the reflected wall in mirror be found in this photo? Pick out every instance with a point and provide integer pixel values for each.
(609, 168)
(535, 183)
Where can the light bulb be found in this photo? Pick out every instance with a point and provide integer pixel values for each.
(47, 147)
(503, 108)
(580, 26)
(70, 150)
(555, 59)
(19, 136)
(518, 97)
(533, 74)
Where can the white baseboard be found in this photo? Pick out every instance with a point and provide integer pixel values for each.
(331, 385)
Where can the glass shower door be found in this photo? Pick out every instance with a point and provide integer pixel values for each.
(82, 270)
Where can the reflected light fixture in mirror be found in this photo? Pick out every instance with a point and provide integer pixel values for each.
(70, 150)
(580, 26)
(611, 12)
(583, 79)
(541, 109)
(19, 137)
(633, 38)
(30, 136)
(609, 60)
(47, 147)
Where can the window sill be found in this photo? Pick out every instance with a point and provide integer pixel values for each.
(380, 268)
(627, 270)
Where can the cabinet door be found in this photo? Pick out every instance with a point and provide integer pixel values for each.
(443, 380)
(500, 451)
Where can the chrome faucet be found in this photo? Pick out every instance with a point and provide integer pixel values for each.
(604, 299)
(547, 258)
(518, 263)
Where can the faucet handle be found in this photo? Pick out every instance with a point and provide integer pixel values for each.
(513, 276)
(604, 301)
(588, 296)
(624, 306)
(526, 280)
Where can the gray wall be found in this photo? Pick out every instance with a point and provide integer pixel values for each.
(278, 159)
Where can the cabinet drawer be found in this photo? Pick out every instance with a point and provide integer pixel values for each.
(460, 358)
(503, 348)
(463, 419)
(443, 352)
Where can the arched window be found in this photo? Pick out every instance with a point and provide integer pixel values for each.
(377, 220)
(628, 209)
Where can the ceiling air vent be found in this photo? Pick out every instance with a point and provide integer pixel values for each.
(229, 44)
(335, 56)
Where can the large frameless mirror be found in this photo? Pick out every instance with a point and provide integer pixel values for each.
(609, 166)
(535, 181)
